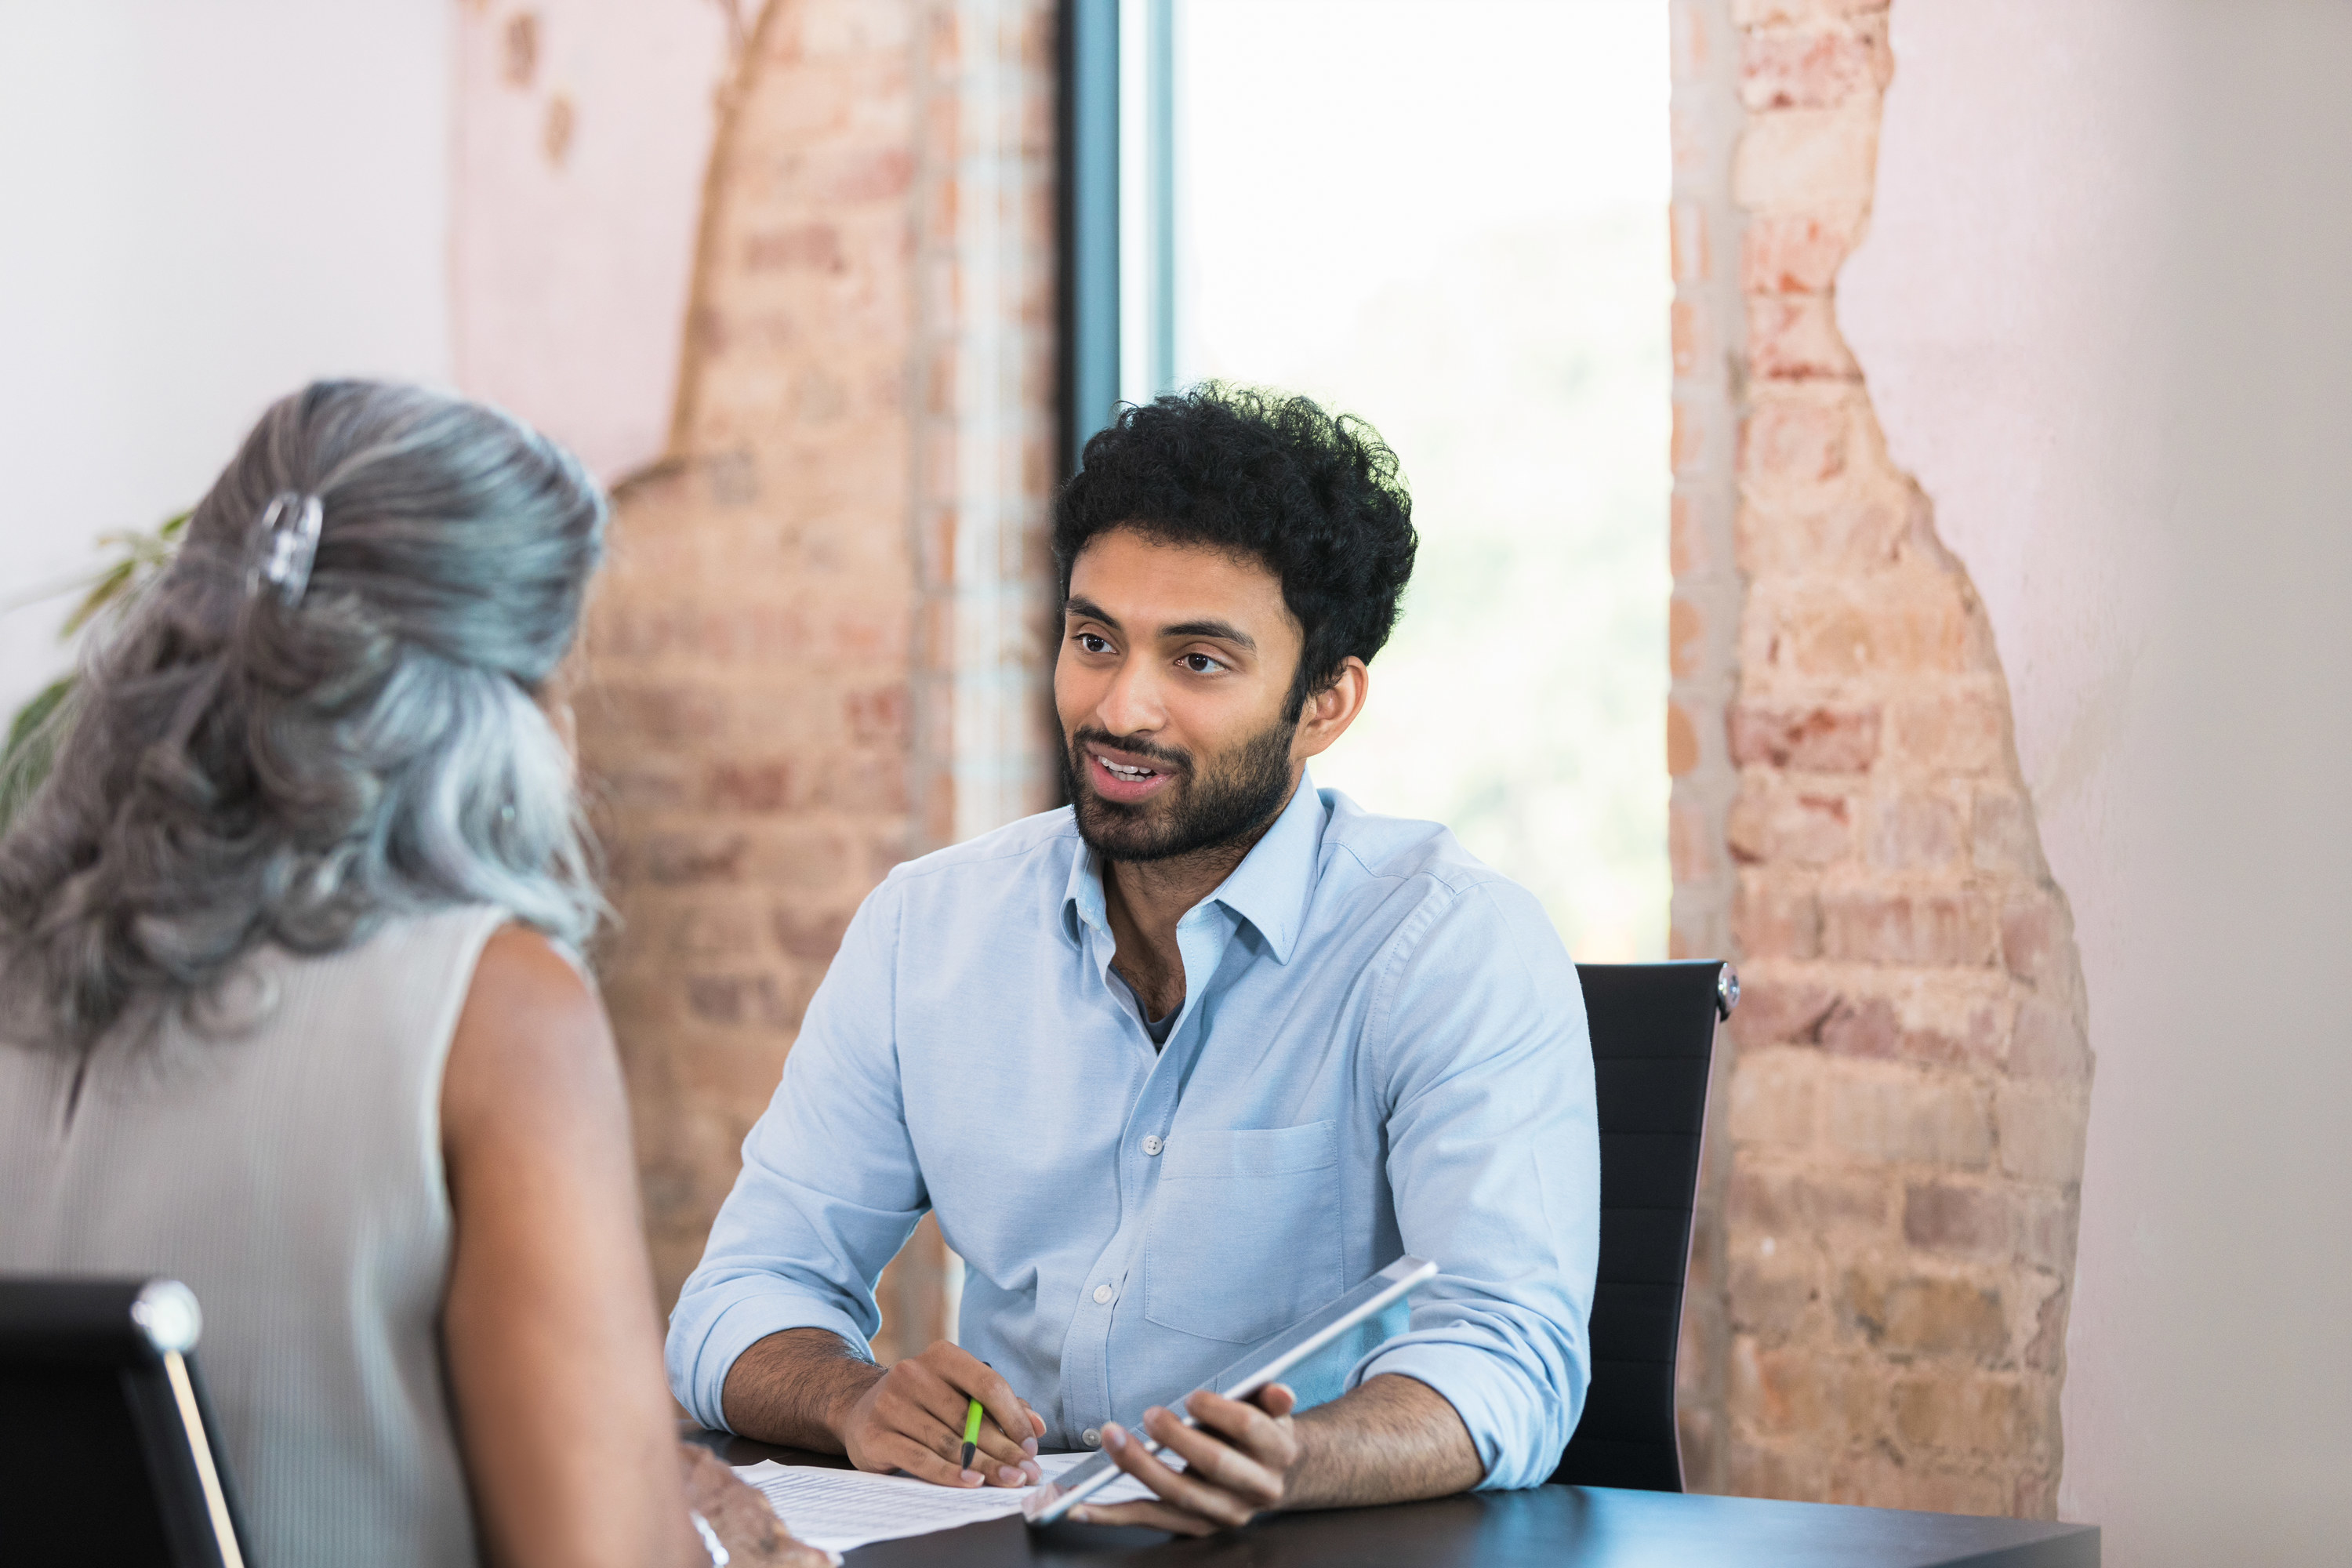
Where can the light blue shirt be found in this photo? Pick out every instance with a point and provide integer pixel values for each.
(1382, 1050)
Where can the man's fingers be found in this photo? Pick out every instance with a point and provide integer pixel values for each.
(1027, 1473)
(921, 1407)
(920, 1414)
(1260, 1426)
(1210, 1458)
(975, 1378)
(899, 1451)
(1009, 1476)
(1215, 1503)
(948, 1406)
(1238, 1420)
(1150, 1515)
(921, 1403)
(999, 1448)
(918, 1401)
(1264, 1434)
(935, 1417)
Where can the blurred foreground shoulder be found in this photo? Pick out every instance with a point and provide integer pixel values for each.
(533, 1043)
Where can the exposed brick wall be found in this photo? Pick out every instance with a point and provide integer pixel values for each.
(984, 424)
(771, 659)
(814, 656)
(1900, 1163)
(1708, 342)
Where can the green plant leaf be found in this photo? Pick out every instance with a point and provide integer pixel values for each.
(31, 748)
(143, 554)
(33, 734)
(104, 592)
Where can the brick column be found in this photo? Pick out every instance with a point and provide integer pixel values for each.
(1708, 337)
(984, 421)
(770, 715)
(1909, 1095)
(986, 459)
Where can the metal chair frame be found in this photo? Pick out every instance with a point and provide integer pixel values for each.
(108, 1449)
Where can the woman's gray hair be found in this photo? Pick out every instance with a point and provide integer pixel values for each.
(237, 770)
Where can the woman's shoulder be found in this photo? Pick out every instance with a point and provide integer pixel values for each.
(531, 1038)
(462, 931)
(428, 950)
(395, 994)
(523, 968)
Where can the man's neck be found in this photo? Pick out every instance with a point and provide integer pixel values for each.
(1145, 899)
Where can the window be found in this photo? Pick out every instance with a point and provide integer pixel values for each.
(1449, 218)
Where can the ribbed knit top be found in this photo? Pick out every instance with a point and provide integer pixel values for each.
(291, 1176)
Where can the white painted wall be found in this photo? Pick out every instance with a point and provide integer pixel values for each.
(202, 207)
(582, 147)
(2106, 311)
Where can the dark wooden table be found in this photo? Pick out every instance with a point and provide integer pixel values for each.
(1556, 1527)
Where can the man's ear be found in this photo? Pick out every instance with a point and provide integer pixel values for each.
(1330, 712)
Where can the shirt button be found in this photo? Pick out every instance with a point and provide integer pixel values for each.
(1151, 1144)
(1102, 1295)
(1091, 1437)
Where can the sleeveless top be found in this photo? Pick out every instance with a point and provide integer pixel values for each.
(291, 1176)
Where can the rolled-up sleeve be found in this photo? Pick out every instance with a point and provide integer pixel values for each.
(1495, 1164)
(830, 1188)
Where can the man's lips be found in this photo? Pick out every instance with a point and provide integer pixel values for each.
(1123, 777)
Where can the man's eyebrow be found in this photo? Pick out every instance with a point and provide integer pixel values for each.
(1223, 631)
(1086, 609)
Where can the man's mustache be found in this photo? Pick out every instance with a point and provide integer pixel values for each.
(1177, 762)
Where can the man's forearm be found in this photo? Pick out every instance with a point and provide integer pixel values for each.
(796, 1388)
(1389, 1439)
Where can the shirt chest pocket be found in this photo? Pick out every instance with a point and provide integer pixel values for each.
(1244, 1236)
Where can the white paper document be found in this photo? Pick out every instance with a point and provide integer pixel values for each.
(839, 1510)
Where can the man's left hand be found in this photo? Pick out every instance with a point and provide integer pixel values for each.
(1237, 1463)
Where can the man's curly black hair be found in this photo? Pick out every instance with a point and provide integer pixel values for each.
(1319, 499)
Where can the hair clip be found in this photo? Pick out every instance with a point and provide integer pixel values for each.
(287, 540)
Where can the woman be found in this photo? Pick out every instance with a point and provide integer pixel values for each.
(290, 1008)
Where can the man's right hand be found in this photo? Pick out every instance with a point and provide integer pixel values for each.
(911, 1418)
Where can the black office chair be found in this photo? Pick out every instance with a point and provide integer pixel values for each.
(108, 1451)
(1653, 1042)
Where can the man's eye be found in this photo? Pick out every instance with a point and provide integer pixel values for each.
(1201, 664)
(1093, 644)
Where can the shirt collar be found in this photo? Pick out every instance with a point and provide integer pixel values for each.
(1270, 889)
(1082, 900)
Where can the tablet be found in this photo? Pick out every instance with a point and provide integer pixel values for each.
(1244, 1378)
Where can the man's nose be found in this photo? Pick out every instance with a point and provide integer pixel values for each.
(1132, 706)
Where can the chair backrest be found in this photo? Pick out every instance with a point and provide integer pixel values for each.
(108, 1451)
(1653, 1042)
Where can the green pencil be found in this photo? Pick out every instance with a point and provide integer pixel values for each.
(971, 1432)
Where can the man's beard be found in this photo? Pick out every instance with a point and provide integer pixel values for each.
(1196, 811)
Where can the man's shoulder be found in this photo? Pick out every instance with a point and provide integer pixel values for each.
(1402, 849)
(1427, 867)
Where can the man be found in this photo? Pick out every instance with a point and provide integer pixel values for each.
(1178, 1064)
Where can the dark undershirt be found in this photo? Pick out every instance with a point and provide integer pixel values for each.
(1157, 1028)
